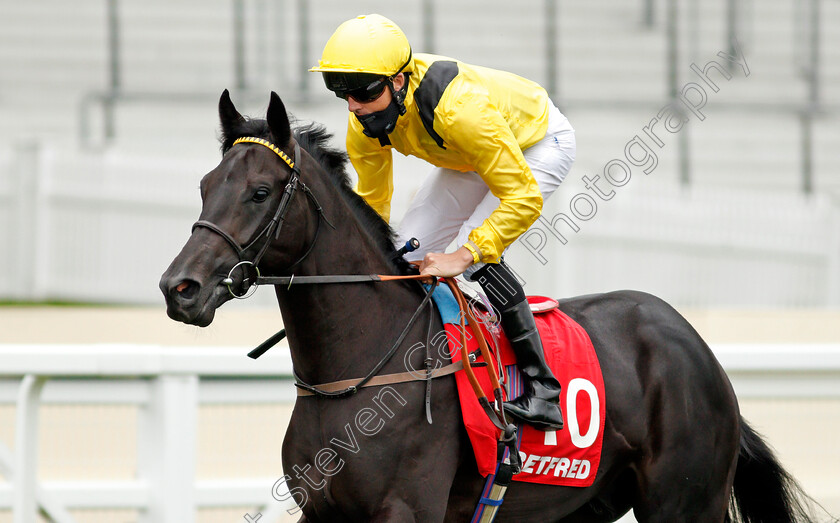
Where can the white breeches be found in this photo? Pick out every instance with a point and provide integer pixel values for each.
(450, 204)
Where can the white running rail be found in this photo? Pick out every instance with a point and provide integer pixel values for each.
(169, 384)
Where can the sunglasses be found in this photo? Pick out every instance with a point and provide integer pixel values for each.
(362, 91)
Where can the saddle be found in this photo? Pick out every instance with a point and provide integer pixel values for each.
(569, 457)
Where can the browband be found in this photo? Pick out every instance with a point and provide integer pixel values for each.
(266, 143)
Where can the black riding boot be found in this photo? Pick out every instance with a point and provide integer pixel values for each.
(539, 405)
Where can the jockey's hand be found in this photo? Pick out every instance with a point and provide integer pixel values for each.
(446, 265)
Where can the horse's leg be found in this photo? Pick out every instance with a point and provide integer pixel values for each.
(432, 486)
(687, 464)
(393, 512)
(399, 511)
(467, 485)
(671, 404)
(667, 494)
(406, 477)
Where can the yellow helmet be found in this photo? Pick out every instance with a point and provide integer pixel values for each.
(366, 44)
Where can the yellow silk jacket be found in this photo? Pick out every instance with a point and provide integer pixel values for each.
(466, 118)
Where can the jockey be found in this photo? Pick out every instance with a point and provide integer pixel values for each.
(500, 148)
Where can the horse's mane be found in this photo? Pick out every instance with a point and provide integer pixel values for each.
(314, 139)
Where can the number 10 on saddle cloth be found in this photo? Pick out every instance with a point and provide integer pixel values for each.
(569, 457)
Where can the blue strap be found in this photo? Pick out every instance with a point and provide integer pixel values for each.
(491, 502)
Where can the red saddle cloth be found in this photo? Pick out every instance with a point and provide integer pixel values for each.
(567, 457)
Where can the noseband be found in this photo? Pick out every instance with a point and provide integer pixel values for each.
(272, 228)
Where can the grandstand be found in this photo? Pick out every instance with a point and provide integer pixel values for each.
(108, 121)
(115, 101)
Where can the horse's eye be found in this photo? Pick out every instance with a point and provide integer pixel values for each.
(261, 195)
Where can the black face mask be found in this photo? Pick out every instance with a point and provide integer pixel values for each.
(381, 123)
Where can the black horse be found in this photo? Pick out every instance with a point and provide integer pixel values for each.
(675, 448)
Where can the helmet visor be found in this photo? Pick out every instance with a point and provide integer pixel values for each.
(363, 87)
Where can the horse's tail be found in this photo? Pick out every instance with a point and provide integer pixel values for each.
(763, 492)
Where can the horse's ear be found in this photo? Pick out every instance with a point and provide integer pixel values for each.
(278, 120)
(228, 114)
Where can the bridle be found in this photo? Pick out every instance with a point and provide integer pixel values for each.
(272, 232)
(350, 387)
(273, 227)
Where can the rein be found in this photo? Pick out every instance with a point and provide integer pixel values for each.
(344, 388)
(341, 389)
(324, 391)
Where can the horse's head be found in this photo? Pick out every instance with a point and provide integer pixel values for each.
(242, 200)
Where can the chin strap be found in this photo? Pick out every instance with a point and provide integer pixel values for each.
(399, 96)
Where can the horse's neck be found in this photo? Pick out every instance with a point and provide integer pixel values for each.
(339, 330)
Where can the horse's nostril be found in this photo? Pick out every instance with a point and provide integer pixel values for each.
(186, 290)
